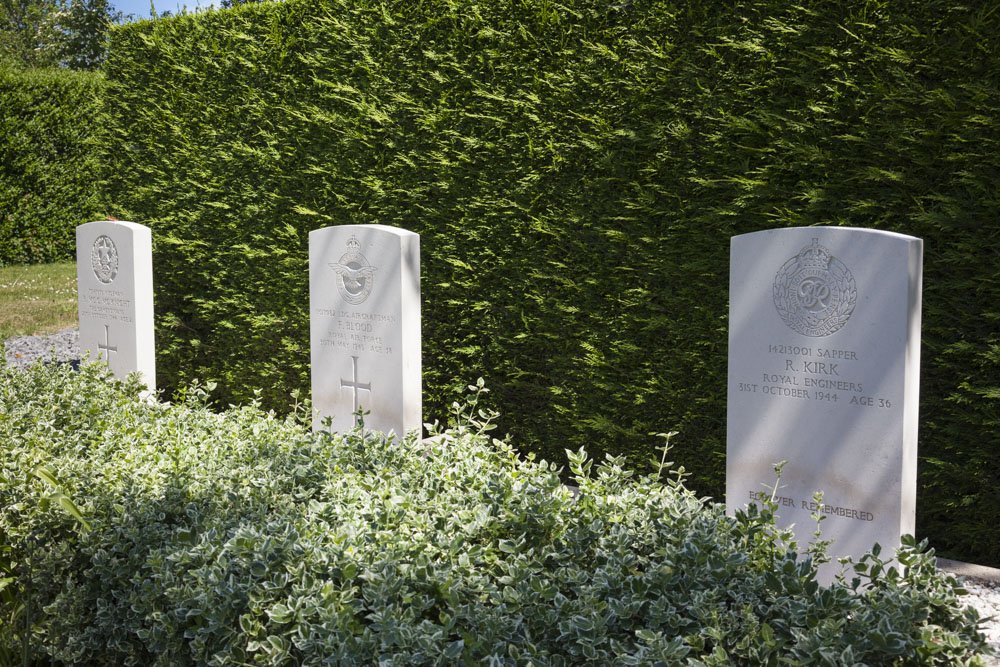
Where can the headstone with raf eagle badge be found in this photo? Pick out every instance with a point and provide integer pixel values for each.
(364, 303)
(824, 360)
(114, 274)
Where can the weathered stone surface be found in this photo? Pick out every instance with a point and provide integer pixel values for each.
(364, 301)
(114, 272)
(824, 358)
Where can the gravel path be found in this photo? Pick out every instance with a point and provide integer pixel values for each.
(62, 346)
(985, 597)
(983, 584)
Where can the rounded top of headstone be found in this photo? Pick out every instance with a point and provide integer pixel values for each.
(824, 232)
(115, 224)
(383, 229)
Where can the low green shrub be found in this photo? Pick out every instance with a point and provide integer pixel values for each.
(243, 538)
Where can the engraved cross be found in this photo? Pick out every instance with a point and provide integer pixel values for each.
(106, 345)
(355, 385)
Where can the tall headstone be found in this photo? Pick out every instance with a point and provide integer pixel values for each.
(824, 359)
(364, 304)
(114, 276)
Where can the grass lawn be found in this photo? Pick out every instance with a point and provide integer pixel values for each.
(37, 299)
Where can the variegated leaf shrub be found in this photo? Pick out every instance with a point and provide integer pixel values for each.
(242, 538)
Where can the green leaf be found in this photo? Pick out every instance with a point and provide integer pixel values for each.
(279, 613)
(646, 635)
(45, 474)
(70, 507)
(454, 649)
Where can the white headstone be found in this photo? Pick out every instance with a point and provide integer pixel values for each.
(114, 277)
(824, 359)
(364, 304)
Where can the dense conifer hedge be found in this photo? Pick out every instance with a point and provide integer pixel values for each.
(575, 171)
(47, 170)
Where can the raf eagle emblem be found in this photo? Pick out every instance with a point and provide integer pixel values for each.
(355, 276)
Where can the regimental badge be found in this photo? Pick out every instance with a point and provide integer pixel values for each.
(104, 259)
(814, 292)
(355, 276)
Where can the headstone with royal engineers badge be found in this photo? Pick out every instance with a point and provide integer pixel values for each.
(114, 273)
(364, 303)
(824, 359)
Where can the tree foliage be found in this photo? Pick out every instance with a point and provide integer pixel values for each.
(29, 32)
(49, 33)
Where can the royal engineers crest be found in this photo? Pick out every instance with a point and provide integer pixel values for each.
(814, 292)
(104, 259)
(355, 276)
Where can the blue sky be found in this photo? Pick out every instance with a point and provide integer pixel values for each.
(141, 7)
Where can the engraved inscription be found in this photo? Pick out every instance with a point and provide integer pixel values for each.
(107, 304)
(104, 259)
(813, 506)
(797, 373)
(814, 292)
(356, 332)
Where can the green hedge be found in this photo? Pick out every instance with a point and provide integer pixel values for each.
(575, 171)
(48, 119)
(242, 538)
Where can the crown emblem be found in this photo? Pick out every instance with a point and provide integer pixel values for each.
(815, 257)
